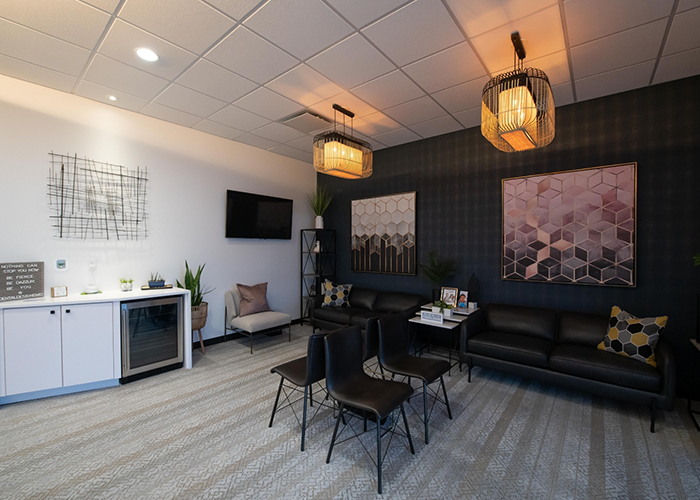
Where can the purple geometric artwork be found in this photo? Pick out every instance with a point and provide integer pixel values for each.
(571, 227)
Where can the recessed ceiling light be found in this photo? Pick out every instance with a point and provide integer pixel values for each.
(147, 54)
(112, 98)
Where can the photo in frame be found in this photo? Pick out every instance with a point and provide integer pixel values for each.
(577, 226)
(462, 299)
(449, 296)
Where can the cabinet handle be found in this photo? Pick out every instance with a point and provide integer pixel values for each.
(53, 312)
(67, 311)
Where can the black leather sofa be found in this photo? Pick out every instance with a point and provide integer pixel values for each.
(561, 348)
(366, 307)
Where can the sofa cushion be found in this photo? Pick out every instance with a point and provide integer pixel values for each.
(522, 320)
(393, 302)
(581, 329)
(363, 298)
(594, 364)
(340, 315)
(512, 347)
(335, 295)
(633, 337)
(361, 319)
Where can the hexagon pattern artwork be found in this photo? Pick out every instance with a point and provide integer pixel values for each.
(384, 234)
(571, 227)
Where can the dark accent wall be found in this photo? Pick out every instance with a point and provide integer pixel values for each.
(457, 178)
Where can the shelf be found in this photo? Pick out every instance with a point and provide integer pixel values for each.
(326, 261)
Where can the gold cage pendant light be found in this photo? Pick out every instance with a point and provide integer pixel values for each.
(517, 107)
(340, 154)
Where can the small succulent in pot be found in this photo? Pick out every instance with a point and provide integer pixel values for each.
(126, 284)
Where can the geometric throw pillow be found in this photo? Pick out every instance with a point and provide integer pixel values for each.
(335, 295)
(633, 337)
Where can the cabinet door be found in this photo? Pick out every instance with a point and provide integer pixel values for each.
(88, 352)
(32, 349)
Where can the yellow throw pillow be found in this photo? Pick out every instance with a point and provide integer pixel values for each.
(335, 295)
(633, 337)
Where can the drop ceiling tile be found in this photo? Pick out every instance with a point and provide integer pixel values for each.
(684, 34)
(479, 16)
(215, 81)
(190, 24)
(469, 118)
(278, 132)
(591, 19)
(189, 101)
(351, 62)
(247, 54)
(169, 114)
(36, 48)
(374, 124)
(400, 136)
(684, 5)
(563, 94)
(439, 126)
(36, 74)
(417, 30)
(388, 90)
(101, 94)
(677, 66)
(302, 27)
(416, 111)
(269, 104)
(556, 66)
(305, 143)
(461, 97)
(375, 144)
(447, 68)
(218, 129)
(238, 118)
(346, 100)
(123, 39)
(285, 150)
(619, 50)
(237, 9)
(255, 141)
(362, 12)
(541, 34)
(119, 76)
(68, 20)
(614, 82)
(305, 86)
(107, 5)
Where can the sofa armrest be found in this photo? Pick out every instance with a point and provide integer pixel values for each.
(666, 365)
(410, 312)
(315, 304)
(473, 325)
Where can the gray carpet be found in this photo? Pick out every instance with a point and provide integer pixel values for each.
(203, 434)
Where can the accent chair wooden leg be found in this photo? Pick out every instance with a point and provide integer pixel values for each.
(201, 341)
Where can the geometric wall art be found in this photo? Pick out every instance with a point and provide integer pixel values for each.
(89, 199)
(571, 227)
(384, 234)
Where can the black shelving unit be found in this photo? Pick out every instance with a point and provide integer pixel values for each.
(318, 263)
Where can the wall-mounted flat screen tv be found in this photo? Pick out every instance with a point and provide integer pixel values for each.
(251, 215)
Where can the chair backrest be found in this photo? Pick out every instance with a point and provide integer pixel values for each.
(393, 337)
(316, 358)
(343, 358)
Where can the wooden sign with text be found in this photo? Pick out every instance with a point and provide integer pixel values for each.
(21, 280)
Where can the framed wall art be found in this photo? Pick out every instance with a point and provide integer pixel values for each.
(383, 238)
(571, 227)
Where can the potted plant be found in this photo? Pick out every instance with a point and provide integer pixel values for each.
(442, 307)
(126, 284)
(156, 281)
(437, 271)
(199, 308)
(319, 201)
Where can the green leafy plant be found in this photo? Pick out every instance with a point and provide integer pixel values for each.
(193, 284)
(437, 270)
(319, 200)
(696, 259)
(156, 277)
(442, 305)
(125, 280)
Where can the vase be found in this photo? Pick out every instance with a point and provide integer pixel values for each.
(318, 221)
(126, 287)
(447, 313)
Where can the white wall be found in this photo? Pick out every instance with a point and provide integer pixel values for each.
(189, 172)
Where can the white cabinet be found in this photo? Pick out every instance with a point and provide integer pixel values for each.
(88, 351)
(32, 349)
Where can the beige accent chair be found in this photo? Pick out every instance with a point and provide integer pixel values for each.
(266, 321)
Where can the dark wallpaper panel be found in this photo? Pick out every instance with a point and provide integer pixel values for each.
(458, 176)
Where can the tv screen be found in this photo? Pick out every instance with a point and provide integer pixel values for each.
(251, 215)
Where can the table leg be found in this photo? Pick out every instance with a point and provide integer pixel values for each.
(692, 414)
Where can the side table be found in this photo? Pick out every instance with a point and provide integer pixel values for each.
(692, 412)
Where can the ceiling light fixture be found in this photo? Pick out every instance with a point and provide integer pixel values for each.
(340, 154)
(147, 54)
(517, 107)
(112, 98)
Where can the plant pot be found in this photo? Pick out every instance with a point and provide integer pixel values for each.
(436, 310)
(447, 313)
(318, 221)
(199, 316)
(126, 287)
(156, 284)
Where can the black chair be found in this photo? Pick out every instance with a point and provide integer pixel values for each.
(357, 392)
(303, 372)
(394, 357)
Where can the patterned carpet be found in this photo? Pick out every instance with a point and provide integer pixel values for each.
(203, 434)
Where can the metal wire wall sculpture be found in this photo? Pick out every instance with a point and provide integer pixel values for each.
(90, 199)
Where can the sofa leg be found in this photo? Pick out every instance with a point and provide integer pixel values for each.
(469, 372)
(653, 414)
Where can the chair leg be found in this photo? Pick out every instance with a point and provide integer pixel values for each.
(408, 432)
(469, 371)
(335, 432)
(251, 342)
(311, 394)
(379, 454)
(303, 422)
(290, 332)
(277, 399)
(425, 410)
(653, 415)
(447, 401)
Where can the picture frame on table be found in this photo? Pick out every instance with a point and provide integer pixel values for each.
(449, 296)
(462, 299)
